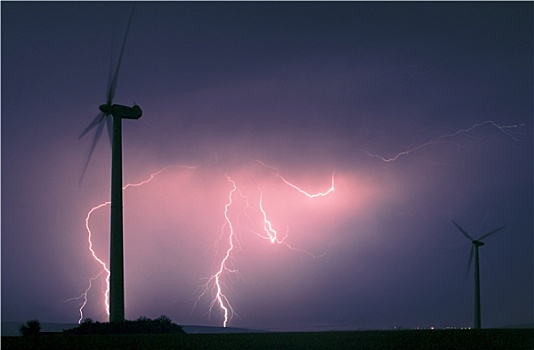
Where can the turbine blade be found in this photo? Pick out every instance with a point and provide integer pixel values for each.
(111, 92)
(110, 71)
(109, 123)
(490, 233)
(94, 123)
(463, 231)
(470, 261)
(98, 133)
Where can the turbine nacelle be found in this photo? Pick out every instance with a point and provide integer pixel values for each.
(121, 111)
(105, 108)
(478, 243)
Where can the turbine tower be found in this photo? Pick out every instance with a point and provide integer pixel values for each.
(476, 243)
(112, 115)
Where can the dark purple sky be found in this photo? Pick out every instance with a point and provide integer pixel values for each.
(250, 93)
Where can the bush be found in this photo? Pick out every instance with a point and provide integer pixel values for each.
(32, 327)
(143, 325)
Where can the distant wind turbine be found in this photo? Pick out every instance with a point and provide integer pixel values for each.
(112, 115)
(474, 248)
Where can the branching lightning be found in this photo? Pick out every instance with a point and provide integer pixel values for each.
(104, 269)
(237, 204)
(272, 234)
(84, 295)
(267, 225)
(508, 130)
(247, 204)
(319, 194)
(276, 172)
(215, 282)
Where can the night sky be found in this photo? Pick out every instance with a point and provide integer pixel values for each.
(421, 112)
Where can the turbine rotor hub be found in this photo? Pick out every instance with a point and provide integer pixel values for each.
(105, 108)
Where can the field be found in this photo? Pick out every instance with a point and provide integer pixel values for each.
(403, 339)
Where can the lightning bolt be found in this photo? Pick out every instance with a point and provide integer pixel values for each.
(272, 234)
(215, 283)
(276, 172)
(507, 130)
(104, 269)
(218, 283)
(216, 280)
(85, 293)
(319, 194)
(267, 225)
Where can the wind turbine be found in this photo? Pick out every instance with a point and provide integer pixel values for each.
(476, 243)
(112, 115)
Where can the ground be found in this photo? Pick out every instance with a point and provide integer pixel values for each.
(405, 339)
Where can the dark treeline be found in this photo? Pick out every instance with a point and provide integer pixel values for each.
(142, 325)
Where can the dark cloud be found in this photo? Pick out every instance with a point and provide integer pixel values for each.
(308, 89)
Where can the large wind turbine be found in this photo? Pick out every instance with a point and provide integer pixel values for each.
(112, 115)
(474, 248)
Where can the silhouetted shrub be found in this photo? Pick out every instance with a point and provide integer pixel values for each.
(143, 325)
(32, 327)
(87, 321)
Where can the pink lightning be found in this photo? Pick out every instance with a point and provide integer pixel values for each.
(272, 234)
(215, 281)
(269, 232)
(218, 282)
(220, 298)
(508, 130)
(105, 270)
(267, 225)
(84, 295)
(320, 194)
